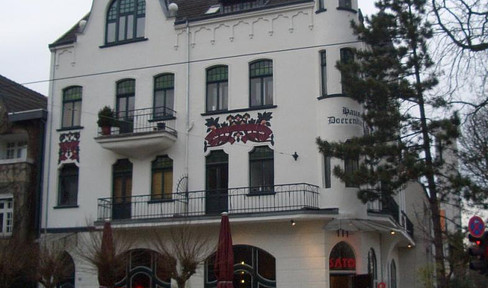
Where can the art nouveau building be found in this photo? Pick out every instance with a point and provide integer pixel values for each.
(218, 105)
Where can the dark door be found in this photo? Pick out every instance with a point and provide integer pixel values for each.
(217, 178)
(363, 281)
(122, 189)
(125, 105)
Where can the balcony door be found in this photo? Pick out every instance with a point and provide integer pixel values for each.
(125, 105)
(122, 189)
(217, 182)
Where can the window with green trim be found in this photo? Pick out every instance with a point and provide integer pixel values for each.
(261, 83)
(162, 178)
(71, 107)
(164, 96)
(347, 56)
(323, 72)
(126, 20)
(261, 167)
(68, 185)
(346, 4)
(125, 104)
(217, 88)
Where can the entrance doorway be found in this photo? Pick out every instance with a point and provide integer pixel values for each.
(350, 281)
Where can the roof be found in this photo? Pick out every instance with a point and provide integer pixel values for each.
(17, 98)
(188, 10)
(70, 36)
(193, 10)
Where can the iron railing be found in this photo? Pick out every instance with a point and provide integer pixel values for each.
(388, 206)
(286, 197)
(143, 120)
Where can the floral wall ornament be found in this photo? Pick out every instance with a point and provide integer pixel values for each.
(69, 147)
(239, 128)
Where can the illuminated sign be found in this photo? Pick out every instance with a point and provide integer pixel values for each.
(342, 264)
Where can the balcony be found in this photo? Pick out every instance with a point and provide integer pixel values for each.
(388, 206)
(244, 200)
(140, 133)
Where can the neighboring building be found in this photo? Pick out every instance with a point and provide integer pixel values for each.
(22, 126)
(218, 107)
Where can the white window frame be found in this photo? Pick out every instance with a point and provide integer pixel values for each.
(7, 216)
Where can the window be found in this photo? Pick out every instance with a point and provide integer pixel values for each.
(145, 268)
(327, 171)
(16, 150)
(261, 166)
(162, 178)
(68, 185)
(253, 268)
(164, 96)
(346, 4)
(321, 6)
(71, 107)
(347, 56)
(351, 165)
(122, 189)
(372, 265)
(126, 90)
(126, 20)
(235, 6)
(69, 268)
(6, 216)
(261, 83)
(393, 276)
(323, 72)
(217, 87)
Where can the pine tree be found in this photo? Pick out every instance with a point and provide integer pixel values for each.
(392, 79)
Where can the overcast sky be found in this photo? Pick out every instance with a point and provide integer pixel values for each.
(27, 27)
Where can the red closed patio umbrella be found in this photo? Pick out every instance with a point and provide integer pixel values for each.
(106, 275)
(224, 257)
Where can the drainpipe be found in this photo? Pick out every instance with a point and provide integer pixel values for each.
(187, 124)
(49, 146)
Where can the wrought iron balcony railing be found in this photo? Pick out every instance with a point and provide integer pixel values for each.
(142, 120)
(388, 206)
(286, 197)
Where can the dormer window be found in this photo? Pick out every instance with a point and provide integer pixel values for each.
(126, 20)
(230, 6)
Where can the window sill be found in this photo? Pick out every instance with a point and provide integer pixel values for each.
(123, 42)
(155, 201)
(239, 110)
(70, 128)
(331, 96)
(66, 206)
(347, 9)
(320, 10)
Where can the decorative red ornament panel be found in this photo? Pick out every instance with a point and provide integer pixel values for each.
(69, 149)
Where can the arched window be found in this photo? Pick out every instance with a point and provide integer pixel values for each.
(125, 104)
(71, 107)
(261, 83)
(162, 178)
(372, 265)
(253, 268)
(126, 20)
(164, 96)
(68, 280)
(145, 269)
(217, 88)
(393, 274)
(122, 189)
(261, 169)
(68, 185)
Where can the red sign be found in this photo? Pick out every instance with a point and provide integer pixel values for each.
(381, 285)
(342, 263)
(476, 226)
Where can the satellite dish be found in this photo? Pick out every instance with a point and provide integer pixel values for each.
(173, 8)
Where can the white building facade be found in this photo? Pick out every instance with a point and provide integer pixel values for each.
(218, 105)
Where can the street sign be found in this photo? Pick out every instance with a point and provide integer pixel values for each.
(476, 226)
